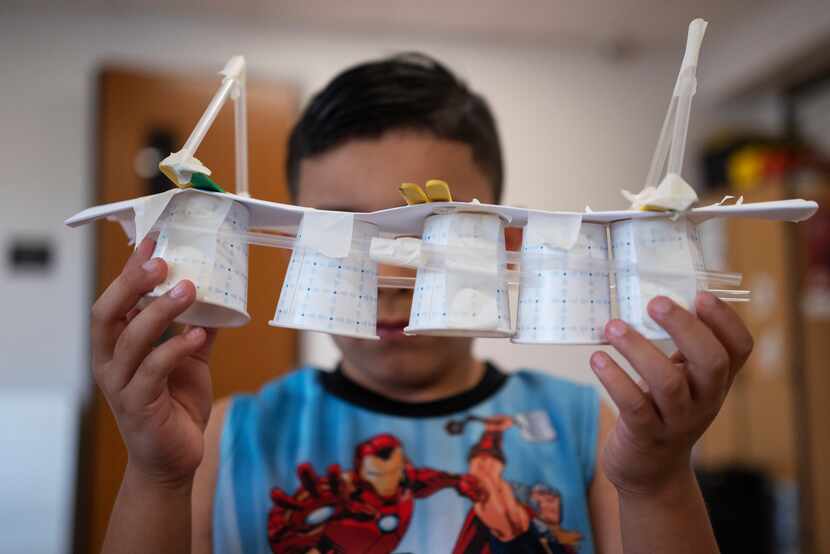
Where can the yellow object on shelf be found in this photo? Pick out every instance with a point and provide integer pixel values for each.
(413, 194)
(746, 168)
(438, 191)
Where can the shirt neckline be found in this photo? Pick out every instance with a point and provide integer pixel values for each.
(338, 384)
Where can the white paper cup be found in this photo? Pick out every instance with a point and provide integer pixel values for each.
(562, 299)
(190, 240)
(648, 245)
(467, 297)
(338, 296)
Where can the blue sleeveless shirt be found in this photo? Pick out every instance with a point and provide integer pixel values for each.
(314, 462)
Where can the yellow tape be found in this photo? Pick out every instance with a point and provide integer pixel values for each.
(413, 194)
(170, 174)
(438, 191)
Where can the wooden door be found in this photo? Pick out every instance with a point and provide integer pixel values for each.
(757, 423)
(139, 112)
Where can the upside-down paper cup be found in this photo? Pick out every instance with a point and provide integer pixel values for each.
(466, 294)
(655, 257)
(564, 296)
(199, 236)
(331, 295)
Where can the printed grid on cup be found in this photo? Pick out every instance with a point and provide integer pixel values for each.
(332, 295)
(560, 304)
(190, 242)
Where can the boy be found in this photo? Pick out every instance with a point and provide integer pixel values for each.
(412, 444)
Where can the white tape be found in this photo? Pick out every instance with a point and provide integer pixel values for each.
(404, 251)
(148, 210)
(469, 295)
(554, 230)
(659, 244)
(329, 233)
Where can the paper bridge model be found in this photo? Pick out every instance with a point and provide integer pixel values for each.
(574, 271)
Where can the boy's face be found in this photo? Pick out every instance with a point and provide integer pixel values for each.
(364, 176)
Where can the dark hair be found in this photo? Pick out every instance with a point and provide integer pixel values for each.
(405, 92)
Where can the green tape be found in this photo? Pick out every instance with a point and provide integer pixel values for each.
(203, 182)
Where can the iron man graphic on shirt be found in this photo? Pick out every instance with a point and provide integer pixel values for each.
(368, 509)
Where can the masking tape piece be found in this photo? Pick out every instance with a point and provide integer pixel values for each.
(329, 233)
(673, 193)
(554, 230)
(179, 168)
(413, 194)
(438, 191)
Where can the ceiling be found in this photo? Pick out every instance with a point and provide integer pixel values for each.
(580, 23)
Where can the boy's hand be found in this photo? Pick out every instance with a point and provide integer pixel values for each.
(652, 440)
(160, 396)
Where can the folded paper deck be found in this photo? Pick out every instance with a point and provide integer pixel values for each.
(409, 220)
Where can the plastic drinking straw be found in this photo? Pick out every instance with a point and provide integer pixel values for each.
(240, 114)
(233, 85)
(683, 84)
(389, 282)
(684, 90)
(658, 160)
(434, 257)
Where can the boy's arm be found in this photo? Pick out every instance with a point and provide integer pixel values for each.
(149, 516)
(603, 500)
(147, 513)
(649, 521)
(160, 395)
(646, 455)
(204, 484)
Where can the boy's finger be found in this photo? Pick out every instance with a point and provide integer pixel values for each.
(667, 383)
(146, 328)
(636, 408)
(149, 380)
(203, 353)
(728, 327)
(131, 314)
(139, 276)
(706, 358)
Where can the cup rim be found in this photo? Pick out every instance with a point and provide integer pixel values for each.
(224, 316)
(275, 323)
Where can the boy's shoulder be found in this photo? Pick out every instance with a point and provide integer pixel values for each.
(287, 389)
(544, 378)
(549, 384)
